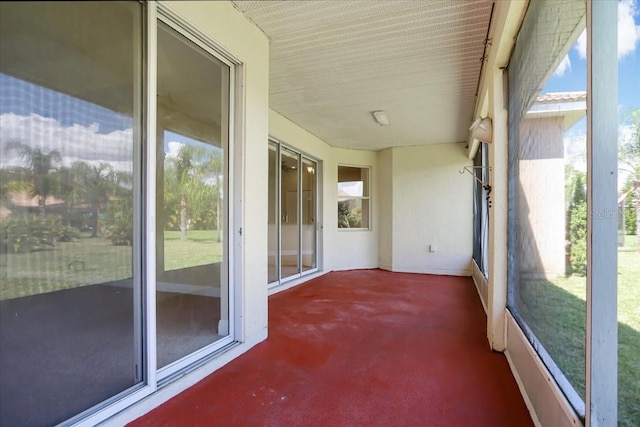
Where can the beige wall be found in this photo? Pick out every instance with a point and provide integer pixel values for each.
(408, 185)
(385, 200)
(340, 249)
(541, 228)
(427, 204)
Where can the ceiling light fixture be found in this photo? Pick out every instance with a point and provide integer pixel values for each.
(381, 118)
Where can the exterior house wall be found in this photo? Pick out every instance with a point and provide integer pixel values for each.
(431, 205)
(352, 249)
(541, 192)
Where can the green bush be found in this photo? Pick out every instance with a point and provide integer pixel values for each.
(630, 219)
(34, 233)
(578, 239)
(66, 233)
(119, 222)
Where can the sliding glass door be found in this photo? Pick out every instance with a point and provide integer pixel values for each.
(71, 293)
(192, 138)
(273, 216)
(308, 216)
(289, 213)
(93, 231)
(292, 213)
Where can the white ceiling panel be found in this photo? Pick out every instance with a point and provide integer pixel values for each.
(334, 62)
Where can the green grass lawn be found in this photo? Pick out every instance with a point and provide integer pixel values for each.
(95, 260)
(556, 313)
(200, 248)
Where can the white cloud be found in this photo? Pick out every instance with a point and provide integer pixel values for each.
(75, 142)
(581, 45)
(628, 31)
(575, 149)
(350, 188)
(564, 65)
(173, 149)
(626, 133)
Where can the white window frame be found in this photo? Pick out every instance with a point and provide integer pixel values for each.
(369, 197)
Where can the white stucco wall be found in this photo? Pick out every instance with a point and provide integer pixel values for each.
(385, 203)
(432, 206)
(340, 249)
(350, 249)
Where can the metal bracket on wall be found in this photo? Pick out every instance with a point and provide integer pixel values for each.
(485, 185)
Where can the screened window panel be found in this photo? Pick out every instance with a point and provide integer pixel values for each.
(547, 189)
(70, 293)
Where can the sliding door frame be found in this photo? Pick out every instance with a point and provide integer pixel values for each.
(177, 368)
(301, 156)
(153, 379)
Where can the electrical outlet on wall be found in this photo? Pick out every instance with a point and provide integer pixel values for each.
(432, 248)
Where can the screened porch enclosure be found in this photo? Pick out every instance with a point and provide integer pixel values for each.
(248, 212)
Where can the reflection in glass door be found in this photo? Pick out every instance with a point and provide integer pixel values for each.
(289, 224)
(192, 297)
(70, 294)
(273, 264)
(293, 199)
(308, 220)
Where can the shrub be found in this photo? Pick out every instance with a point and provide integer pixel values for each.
(578, 239)
(630, 220)
(119, 222)
(34, 233)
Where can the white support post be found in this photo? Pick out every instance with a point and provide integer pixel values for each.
(602, 177)
(498, 161)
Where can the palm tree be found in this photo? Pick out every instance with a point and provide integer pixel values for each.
(40, 165)
(188, 182)
(183, 177)
(629, 157)
(97, 184)
(210, 169)
(67, 188)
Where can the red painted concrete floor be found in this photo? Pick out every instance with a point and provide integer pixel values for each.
(361, 348)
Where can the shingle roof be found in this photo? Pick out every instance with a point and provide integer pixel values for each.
(562, 97)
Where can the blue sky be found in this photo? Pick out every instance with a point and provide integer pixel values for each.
(571, 73)
(571, 76)
(23, 98)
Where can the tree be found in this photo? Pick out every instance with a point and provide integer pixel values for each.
(40, 165)
(576, 224)
(209, 172)
(192, 183)
(629, 159)
(13, 180)
(179, 183)
(67, 188)
(96, 185)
